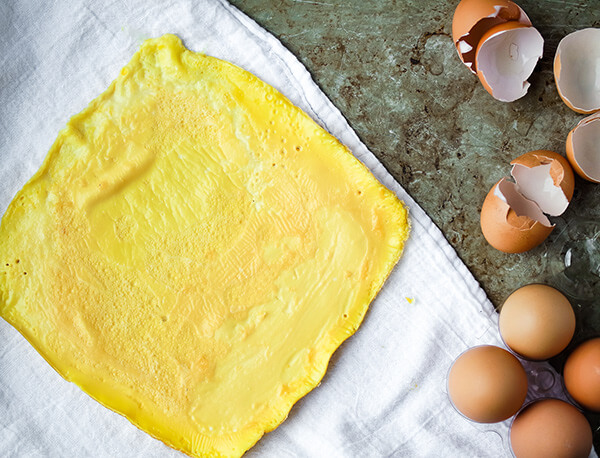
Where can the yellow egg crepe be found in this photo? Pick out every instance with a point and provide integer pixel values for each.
(194, 249)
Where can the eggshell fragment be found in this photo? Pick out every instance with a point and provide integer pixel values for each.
(582, 148)
(473, 18)
(577, 70)
(512, 215)
(506, 57)
(487, 384)
(550, 428)
(545, 177)
(537, 322)
(582, 374)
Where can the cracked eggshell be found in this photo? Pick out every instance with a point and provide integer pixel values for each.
(582, 148)
(577, 70)
(512, 215)
(506, 57)
(473, 18)
(510, 230)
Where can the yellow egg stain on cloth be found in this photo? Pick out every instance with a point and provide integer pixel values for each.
(193, 250)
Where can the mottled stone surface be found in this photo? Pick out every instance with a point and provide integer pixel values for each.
(392, 69)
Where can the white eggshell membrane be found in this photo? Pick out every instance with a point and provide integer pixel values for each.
(464, 47)
(577, 66)
(509, 192)
(537, 185)
(507, 58)
(586, 146)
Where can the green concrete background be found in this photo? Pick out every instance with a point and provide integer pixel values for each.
(392, 69)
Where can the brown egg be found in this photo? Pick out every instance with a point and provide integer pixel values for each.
(513, 216)
(537, 322)
(551, 428)
(473, 18)
(487, 384)
(582, 374)
(582, 148)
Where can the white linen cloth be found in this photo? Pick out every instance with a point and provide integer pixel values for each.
(385, 390)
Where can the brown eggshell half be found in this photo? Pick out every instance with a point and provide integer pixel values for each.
(582, 148)
(559, 169)
(577, 70)
(506, 230)
(473, 18)
(505, 58)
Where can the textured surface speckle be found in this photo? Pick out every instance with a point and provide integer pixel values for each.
(391, 68)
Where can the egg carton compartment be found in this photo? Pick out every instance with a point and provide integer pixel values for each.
(544, 381)
(573, 261)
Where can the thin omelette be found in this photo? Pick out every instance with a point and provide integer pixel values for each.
(193, 250)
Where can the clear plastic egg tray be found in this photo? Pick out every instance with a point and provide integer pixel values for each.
(571, 264)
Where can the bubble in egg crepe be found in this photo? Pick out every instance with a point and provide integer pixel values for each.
(193, 250)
